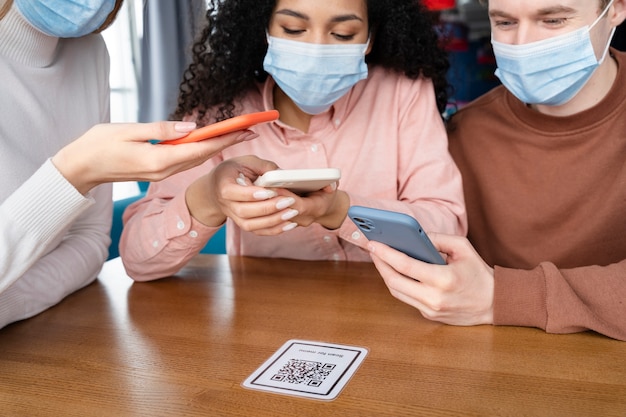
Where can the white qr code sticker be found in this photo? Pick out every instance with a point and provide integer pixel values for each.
(308, 369)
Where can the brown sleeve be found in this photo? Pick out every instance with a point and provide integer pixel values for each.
(563, 301)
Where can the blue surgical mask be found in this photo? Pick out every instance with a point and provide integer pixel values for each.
(65, 18)
(551, 71)
(314, 75)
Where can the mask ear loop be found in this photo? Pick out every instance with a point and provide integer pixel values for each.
(608, 44)
(367, 44)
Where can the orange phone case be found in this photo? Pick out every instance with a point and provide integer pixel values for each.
(233, 124)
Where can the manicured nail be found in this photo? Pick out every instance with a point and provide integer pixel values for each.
(241, 180)
(290, 226)
(285, 202)
(184, 127)
(264, 195)
(290, 215)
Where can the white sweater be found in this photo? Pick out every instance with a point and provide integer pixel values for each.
(53, 240)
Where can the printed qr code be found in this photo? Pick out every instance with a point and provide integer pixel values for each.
(304, 372)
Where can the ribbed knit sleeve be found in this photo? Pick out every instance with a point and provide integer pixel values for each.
(32, 219)
(563, 301)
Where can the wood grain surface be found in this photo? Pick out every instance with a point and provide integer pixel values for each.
(182, 346)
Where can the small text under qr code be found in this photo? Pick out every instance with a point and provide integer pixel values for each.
(304, 372)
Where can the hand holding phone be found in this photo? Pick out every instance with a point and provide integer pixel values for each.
(233, 124)
(299, 181)
(397, 230)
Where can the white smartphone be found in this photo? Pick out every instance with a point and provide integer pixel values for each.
(299, 181)
(397, 230)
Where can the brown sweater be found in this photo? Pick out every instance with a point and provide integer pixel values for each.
(546, 203)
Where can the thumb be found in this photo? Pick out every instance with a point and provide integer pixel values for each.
(439, 240)
(450, 244)
(256, 165)
(143, 132)
(168, 130)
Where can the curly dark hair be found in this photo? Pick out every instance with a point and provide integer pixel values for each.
(228, 55)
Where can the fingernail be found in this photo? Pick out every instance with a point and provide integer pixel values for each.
(241, 180)
(370, 248)
(284, 203)
(334, 186)
(264, 195)
(184, 127)
(290, 226)
(290, 215)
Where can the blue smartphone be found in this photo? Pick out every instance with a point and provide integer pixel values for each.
(397, 230)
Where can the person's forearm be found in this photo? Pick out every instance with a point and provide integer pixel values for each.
(201, 206)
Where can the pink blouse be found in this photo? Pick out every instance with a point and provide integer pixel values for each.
(385, 135)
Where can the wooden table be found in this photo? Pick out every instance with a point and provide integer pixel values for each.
(183, 346)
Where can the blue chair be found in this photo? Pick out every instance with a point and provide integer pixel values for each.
(216, 245)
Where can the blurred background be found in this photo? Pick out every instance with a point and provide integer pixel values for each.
(150, 43)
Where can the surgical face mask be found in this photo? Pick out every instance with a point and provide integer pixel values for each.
(551, 71)
(65, 18)
(313, 75)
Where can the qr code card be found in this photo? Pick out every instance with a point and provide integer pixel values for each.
(308, 369)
